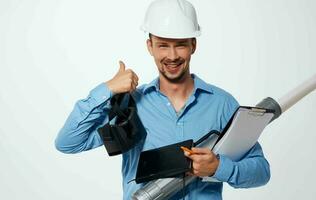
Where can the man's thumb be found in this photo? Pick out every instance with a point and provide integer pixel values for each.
(122, 66)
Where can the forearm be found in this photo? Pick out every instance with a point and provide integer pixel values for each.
(79, 132)
(252, 171)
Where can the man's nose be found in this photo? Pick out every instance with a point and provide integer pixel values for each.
(172, 54)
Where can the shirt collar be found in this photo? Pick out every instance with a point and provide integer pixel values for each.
(154, 84)
(199, 84)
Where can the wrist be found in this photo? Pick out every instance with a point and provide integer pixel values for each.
(216, 164)
(110, 86)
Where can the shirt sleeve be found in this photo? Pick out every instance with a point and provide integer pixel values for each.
(251, 171)
(79, 132)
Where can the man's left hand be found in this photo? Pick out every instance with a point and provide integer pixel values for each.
(205, 162)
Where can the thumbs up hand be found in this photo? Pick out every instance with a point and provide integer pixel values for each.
(123, 81)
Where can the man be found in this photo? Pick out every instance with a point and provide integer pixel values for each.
(174, 107)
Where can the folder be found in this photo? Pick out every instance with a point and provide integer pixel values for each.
(164, 162)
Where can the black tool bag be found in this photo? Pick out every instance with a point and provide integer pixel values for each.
(127, 130)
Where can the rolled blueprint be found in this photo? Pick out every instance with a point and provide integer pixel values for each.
(296, 94)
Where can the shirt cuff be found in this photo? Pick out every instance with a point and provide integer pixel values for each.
(224, 169)
(101, 94)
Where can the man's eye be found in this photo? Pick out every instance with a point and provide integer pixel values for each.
(162, 46)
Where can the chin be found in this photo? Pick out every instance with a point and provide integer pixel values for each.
(174, 78)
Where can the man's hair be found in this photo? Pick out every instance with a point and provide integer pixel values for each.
(150, 37)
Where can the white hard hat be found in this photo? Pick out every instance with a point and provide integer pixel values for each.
(171, 19)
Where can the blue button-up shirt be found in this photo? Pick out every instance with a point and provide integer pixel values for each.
(208, 108)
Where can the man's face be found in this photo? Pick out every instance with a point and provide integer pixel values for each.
(172, 56)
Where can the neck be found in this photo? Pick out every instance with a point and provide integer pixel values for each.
(179, 90)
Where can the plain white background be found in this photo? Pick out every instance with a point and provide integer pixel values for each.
(53, 52)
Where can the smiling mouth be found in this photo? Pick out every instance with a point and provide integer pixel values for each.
(172, 67)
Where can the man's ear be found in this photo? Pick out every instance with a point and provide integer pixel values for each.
(193, 45)
(149, 46)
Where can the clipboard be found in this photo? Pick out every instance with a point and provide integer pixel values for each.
(242, 131)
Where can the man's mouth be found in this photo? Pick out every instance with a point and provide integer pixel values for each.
(172, 67)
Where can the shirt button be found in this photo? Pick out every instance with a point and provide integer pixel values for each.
(103, 97)
(168, 104)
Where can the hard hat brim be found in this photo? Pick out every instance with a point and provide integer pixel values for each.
(172, 36)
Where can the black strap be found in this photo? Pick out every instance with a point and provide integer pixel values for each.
(116, 102)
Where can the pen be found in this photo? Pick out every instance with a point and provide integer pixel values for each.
(187, 150)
